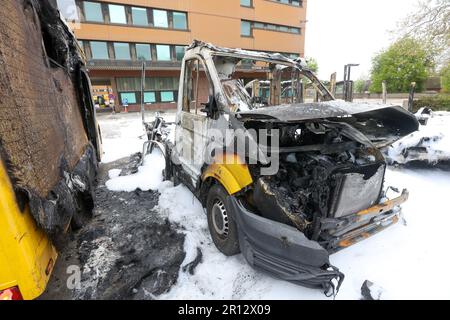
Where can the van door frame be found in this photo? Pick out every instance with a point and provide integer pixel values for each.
(185, 134)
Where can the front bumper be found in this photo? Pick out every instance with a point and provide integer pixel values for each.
(340, 233)
(284, 252)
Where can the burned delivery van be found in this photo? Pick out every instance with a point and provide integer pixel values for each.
(284, 181)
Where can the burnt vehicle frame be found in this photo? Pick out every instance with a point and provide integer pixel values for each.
(328, 192)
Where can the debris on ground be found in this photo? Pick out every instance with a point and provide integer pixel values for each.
(190, 267)
(371, 291)
(128, 251)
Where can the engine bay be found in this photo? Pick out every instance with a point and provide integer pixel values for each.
(323, 174)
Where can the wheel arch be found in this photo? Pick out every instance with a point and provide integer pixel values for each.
(232, 175)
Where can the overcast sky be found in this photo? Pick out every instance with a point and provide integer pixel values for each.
(351, 31)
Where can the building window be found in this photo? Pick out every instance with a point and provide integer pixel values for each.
(93, 11)
(179, 51)
(247, 26)
(246, 29)
(296, 3)
(124, 14)
(258, 25)
(179, 20)
(164, 83)
(163, 53)
(139, 16)
(122, 51)
(158, 89)
(117, 14)
(149, 97)
(143, 52)
(99, 50)
(246, 3)
(128, 97)
(160, 18)
(167, 96)
(128, 84)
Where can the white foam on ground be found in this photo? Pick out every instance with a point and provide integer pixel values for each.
(114, 173)
(407, 261)
(437, 132)
(148, 177)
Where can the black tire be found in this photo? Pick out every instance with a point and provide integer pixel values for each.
(226, 240)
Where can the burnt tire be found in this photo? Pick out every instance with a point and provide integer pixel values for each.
(168, 170)
(222, 227)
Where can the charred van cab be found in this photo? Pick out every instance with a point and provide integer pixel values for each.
(326, 191)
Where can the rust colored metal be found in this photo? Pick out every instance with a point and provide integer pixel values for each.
(362, 233)
(385, 207)
(45, 111)
(40, 120)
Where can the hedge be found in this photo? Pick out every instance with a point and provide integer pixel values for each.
(437, 103)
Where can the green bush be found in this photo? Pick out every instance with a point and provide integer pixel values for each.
(359, 86)
(437, 103)
(445, 78)
(313, 65)
(405, 61)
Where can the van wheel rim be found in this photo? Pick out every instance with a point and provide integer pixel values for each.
(220, 218)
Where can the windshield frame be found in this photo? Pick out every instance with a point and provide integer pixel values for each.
(280, 60)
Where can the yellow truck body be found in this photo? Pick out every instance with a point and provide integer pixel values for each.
(27, 256)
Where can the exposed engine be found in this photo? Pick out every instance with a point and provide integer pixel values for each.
(323, 174)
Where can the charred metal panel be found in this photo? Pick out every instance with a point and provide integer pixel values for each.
(382, 124)
(280, 204)
(41, 126)
(356, 191)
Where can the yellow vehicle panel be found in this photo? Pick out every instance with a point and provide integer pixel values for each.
(26, 254)
(230, 171)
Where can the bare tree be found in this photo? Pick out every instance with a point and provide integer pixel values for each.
(430, 24)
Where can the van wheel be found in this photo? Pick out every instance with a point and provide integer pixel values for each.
(221, 224)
